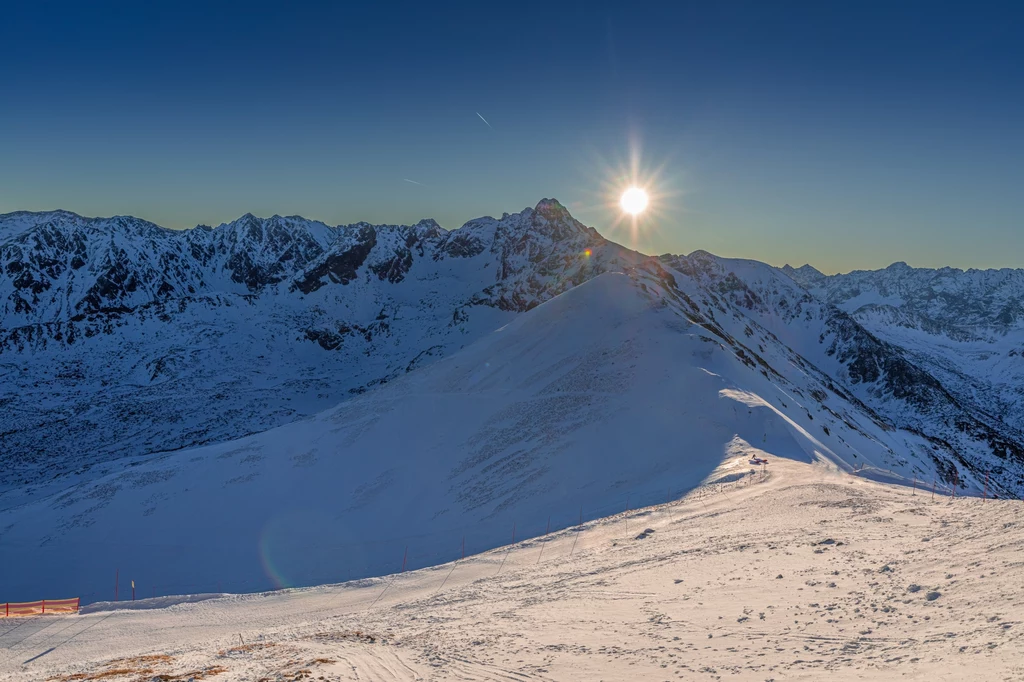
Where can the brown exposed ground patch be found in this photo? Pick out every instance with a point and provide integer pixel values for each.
(140, 669)
(349, 636)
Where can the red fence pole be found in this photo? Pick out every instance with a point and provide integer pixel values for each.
(44, 606)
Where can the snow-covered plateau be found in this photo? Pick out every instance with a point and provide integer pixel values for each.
(276, 404)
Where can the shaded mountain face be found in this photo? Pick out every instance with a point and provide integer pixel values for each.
(966, 328)
(120, 339)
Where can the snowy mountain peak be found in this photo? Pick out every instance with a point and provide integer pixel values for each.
(430, 225)
(806, 271)
(551, 209)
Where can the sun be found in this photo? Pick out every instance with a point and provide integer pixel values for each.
(634, 201)
(637, 199)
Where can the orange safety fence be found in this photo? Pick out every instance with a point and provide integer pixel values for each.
(39, 608)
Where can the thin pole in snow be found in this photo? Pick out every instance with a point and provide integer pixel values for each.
(547, 530)
(392, 581)
(447, 576)
(453, 565)
(509, 548)
(577, 532)
(382, 592)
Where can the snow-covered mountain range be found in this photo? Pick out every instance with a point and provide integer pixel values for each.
(121, 338)
(966, 328)
(405, 383)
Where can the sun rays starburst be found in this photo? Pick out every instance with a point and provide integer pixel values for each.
(635, 195)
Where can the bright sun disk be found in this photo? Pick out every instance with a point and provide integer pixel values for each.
(634, 200)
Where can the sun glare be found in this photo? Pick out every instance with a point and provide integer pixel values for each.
(633, 201)
(635, 198)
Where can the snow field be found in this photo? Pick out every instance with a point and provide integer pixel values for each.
(799, 575)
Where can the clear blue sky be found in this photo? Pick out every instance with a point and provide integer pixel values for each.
(847, 135)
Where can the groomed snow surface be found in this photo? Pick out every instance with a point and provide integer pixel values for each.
(805, 573)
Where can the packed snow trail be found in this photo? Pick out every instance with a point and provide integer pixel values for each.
(795, 575)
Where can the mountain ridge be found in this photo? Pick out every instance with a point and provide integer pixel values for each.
(262, 321)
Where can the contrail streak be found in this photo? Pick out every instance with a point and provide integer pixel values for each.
(485, 121)
(414, 182)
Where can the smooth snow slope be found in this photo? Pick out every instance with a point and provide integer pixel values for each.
(602, 398)
(805, 574)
